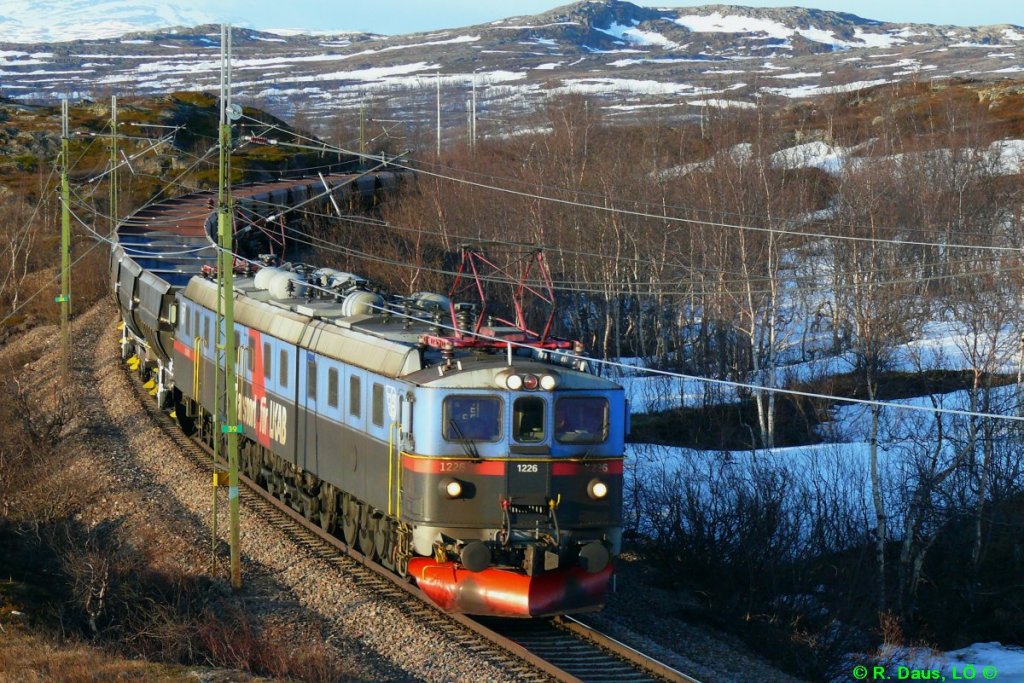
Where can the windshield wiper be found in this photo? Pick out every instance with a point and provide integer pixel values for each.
(467, 445)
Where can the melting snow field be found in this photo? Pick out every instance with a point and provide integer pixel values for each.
(716, 22)
(977, 662)
(815, 90)
(839, 470)
(1002, 157)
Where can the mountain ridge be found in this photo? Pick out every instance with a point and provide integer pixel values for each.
(632, 59)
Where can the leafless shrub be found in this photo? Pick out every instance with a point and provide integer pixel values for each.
(21, 242)
(34, 431)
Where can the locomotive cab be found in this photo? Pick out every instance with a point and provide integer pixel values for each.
(522, 477)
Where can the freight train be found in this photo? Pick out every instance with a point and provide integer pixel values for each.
(479, 459)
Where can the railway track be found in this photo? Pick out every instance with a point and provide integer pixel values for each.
(562, 649)
(583, 653)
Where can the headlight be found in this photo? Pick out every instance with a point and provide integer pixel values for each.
(451, 488)
(597, 489)
(514, 382)
(548, 382)
(530, 382)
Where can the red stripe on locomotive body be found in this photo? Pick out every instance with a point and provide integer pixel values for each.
(259, 387)
(565, 469)
(185, 351)
(487, 468)
(496, 468)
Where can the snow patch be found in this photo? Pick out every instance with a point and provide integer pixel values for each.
(662, 60)
(631, 34)
(722, 104)
(716, 22)
(877, 39)
(813, 90)
(796, 76)
(811, 155)
(605, 85)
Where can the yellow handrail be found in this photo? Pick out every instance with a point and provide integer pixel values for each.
(196, 360)
(391, 462)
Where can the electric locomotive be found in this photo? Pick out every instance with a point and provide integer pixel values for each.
(480, 459)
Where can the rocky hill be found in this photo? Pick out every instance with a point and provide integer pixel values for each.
(634, 60)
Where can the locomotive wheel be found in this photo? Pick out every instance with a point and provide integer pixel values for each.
(310, 507)
(349, 519)
(288, 495)
(243, 458)
(383, 539)
(328, 508)
(365, 535)
(366, 542)
(248, 459)
(255, 461)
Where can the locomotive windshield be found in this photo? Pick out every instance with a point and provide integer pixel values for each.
(581, 420)
(528, 419)
(472, 418)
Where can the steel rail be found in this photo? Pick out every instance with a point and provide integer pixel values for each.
(620, 649)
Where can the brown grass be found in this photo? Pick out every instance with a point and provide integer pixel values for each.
(27, 657)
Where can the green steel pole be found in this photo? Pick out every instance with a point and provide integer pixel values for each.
(218, 353)
(113, 164)
(218, 344)
(224, 227)
(65, 239)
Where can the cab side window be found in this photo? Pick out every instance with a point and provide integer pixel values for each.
(332, 387)
(355, 396)
(282, 368)
(378, 404)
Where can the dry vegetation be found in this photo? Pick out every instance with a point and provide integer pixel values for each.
(81, 592)
(83, 588)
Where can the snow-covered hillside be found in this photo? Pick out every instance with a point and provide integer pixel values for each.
(674, 62)
(36, 21)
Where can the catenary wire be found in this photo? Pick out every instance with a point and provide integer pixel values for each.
(573, 287)
(713, 224)
(705, 272)
(678, 375)
(661, 216)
